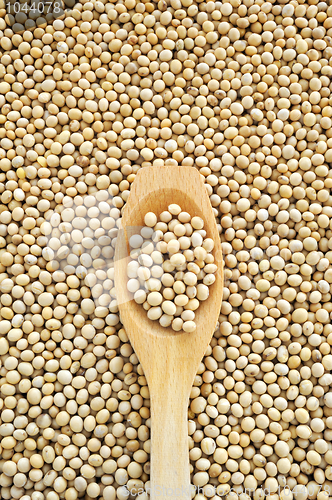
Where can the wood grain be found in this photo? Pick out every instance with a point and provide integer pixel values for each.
(170, 360)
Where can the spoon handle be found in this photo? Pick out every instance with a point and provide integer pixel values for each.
(170, 477)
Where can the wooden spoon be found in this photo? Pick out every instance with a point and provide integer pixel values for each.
(169, 359)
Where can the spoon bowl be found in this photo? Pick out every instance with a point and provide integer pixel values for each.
(169, 359)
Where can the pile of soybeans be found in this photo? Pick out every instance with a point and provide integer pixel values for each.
(241, 91)
(171, 267)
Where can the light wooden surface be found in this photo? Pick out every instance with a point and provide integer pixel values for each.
(170, 360)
